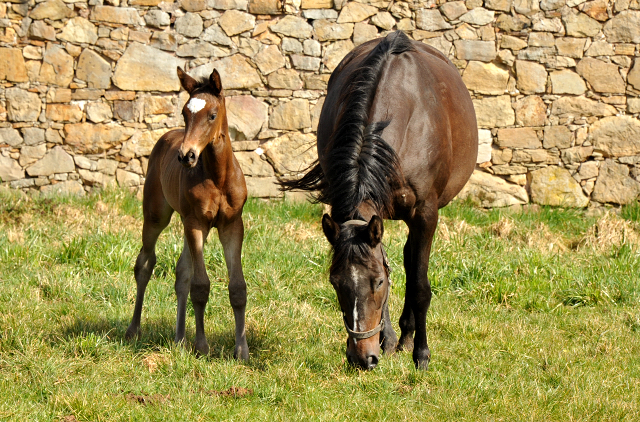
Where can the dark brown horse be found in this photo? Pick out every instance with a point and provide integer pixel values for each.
(397, 139)
(194, 172)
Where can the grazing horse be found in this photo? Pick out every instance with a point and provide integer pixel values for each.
(194, 172)
(397, 139)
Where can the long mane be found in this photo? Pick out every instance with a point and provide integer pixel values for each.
(360, 165)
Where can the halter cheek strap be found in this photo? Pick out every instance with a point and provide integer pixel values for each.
(361, 335)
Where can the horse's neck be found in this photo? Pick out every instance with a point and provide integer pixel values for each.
(217, 158)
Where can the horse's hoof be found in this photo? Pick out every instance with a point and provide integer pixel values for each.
(132, 333)
(405, 344)
(389, 346)
(241, 353)
(202, 349)
(421, 359)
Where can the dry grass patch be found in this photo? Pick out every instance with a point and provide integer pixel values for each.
(611, 231)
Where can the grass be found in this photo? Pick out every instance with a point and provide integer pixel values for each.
(535, 316)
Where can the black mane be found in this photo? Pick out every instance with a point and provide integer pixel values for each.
(202, 84)
(361, 165)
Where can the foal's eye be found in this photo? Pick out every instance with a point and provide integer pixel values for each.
(379, 283)
(213, 117)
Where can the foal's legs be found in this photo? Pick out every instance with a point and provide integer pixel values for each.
(195, 235)
(421, 228)
(157, 214)
(231, 235)
(184, 274)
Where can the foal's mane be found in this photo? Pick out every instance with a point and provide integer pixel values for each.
(360, 164)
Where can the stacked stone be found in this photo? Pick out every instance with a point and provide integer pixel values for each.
(87, 87)
(555, 86)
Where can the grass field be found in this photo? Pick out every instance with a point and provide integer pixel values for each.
(535, 317)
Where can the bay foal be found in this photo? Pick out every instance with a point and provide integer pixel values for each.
(193, 171)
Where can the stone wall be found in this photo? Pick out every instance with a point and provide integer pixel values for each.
(86, 88)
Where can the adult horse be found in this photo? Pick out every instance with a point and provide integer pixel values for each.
(397, 139)
(194, 172)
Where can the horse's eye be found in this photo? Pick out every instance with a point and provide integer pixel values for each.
(213, 116)
(379, 283)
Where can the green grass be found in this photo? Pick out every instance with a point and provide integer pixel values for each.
(535, 316)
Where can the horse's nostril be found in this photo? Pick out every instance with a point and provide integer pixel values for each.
(372, 361)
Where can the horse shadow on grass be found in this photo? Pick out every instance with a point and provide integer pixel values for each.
(158, 334)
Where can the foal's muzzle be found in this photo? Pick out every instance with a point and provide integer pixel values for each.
(189, 159)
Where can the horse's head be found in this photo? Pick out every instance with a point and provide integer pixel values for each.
(204, 116)
(360, 275)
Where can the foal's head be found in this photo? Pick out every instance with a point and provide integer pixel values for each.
(204, 114)
(360, 275)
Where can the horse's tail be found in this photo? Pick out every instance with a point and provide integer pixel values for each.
(360, 165)
(312, 181)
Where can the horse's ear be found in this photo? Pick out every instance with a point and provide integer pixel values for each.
(330, 228)
(215, 82)
(376, 231)
(187, 82)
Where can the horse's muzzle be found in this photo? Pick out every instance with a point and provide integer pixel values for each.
(368, 362)
(189, 159)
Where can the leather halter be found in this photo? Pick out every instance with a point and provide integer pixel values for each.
(361, 335)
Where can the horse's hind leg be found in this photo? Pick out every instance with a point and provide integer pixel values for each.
(200, 285)
(154, 223)
(231, 236)
(407, 320)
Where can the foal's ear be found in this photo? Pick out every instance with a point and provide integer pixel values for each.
(330, 228)
(376, 231)
(187, 82)
(215, 82)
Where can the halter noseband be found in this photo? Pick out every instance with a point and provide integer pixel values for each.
(361, 335)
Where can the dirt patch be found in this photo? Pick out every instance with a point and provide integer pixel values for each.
(403, 390)
(236, 392)
(147, 399)
(69, 418)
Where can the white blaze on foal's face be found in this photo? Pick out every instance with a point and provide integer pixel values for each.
(196, 104)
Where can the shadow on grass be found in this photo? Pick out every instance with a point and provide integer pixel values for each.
(160, 333)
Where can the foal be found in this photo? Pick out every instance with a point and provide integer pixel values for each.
(193, 171)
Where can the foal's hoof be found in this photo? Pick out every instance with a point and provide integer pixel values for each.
(241, 352)
(132, 333)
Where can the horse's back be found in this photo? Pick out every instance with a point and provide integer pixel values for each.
(432, 124)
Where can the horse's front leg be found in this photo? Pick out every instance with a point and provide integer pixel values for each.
(422, 227)
(195, 235)
(231, 236)
(184, 274)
